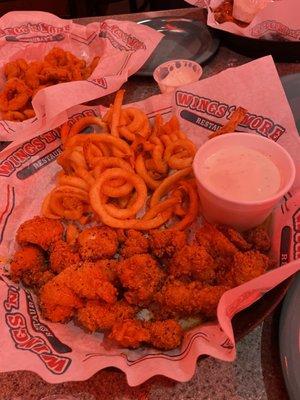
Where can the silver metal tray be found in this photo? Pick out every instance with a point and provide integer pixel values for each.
(184, 39)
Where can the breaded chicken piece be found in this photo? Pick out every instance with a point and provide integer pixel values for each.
(135, 243)
(166, 242)
(194, 261)
(97, 242)
(100, 316)
(190, 298)
(259, 238)
(165, 335)
(235, 237)
(62, 256)
(129, 333)
(28, 265)
(57, 301)
(141, 275)
(214, 241)
(249, 265)
(91, 281)
(40, 231)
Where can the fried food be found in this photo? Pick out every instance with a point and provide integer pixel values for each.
(109, 177)
(134, 243)
(190, 298)
(193, 261)
(28, 265)
(259, 238)
(97, 242)
(40, 231)
(24, 80)
(164, 243)
(89, 281)
(165, 335)
(223, 13)
(235, 237)
(141, 276)
(129, 333)
(139, 287)
(57, 302)
(95, 315)
(214, 241)
(62, 256)
(249, 265)
(236, 118)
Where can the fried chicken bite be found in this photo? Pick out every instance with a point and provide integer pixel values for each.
(190, 298)
(165, 335)
(40, 231)
(194, 261)
(249, 265)
(259, 238)
(62, 256)
(141, 276)
(135, 243)
(91, 281)
(57, 301)
(95, 315)
(214, 241)
(129, 333)
(28, 265)
(97, 242)
(166, 242)
(235, 237)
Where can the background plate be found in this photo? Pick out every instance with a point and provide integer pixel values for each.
(184, 39)
(291, 85)
(289, 331)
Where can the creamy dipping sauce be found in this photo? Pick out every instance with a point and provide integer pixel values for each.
(240, 173)
(178, 77)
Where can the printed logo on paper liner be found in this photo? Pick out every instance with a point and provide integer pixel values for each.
(258, 123)
(23, 340)
(43, 33)
(120, 39)
(274, 30)
(296, 238)
(26, 151)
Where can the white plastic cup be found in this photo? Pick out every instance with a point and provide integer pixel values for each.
(242, 215)
(176, 73)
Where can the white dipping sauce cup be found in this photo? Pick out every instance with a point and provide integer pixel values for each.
(242, 215)
(181, 72)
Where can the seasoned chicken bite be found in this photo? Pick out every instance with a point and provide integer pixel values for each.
(129, 333)
(97, 242)
(165, 335)
(259, 238)
(235, 237)
(92, 281)
(141, 276)
(214, 241)
(249, 265)
(188, 298)
(57, 301)
(40, 231)
(193, 261)
(62, 256)
(135, 243)
(166, 242)
(95, 315)
(28, 265)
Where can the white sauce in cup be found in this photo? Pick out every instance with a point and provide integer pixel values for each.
(240, 173)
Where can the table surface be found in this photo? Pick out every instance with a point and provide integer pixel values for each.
(256, 373)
